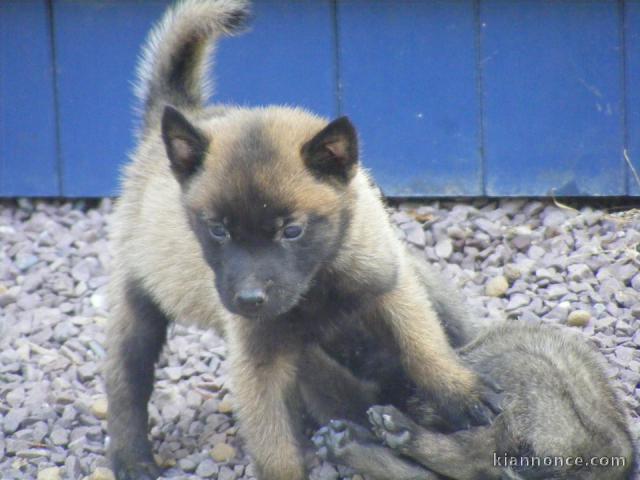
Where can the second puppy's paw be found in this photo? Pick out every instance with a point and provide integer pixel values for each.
(334, 441)
(392, 426)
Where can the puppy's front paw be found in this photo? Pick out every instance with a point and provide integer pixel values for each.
(127, 468)
(334, 441)
(477, 407)
(392, 426)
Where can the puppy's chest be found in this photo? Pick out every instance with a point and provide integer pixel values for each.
(327, 309)
(323, 315)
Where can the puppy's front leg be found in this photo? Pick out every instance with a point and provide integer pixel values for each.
(457, 393)
(137, 332)
(265, 394)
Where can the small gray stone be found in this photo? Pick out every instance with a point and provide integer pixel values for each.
(207, 468)
(521, 242)
(605, 323)
(13, 419)
(226, 473)
(171, 412)
(530, 318)
(87, 372)
(625, 273)
(457, 232)
(187, 464)
(39, 430)
(59, 436)
(415, 235)
(72, 467)
(174, 373)
(6, 299)
(15, 397)
(24, 261)
(33, 453)
(99, 301)
(533, 208)
(511, 272)
(102, 473)
(50, 473)
(401, 217)
(488, 227)
(579, 272)
(518, 300)
(625, 298)
(623, 328)
(545, 273)
(556, 291)
(444, 248)
(535, 252)
(553, 218)
(625, 354)
(324, 472)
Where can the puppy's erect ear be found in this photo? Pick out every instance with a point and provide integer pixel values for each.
(333, 152)
(185, 144)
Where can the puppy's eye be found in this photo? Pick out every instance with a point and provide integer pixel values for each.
(218, 231)
(292, 232)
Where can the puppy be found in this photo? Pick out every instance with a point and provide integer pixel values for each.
(561, 419)
(261, 224)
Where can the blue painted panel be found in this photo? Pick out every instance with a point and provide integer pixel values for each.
(632, 24)
(288, 57)
(97, 46)
(549, 78)
(28, 163)
(408, 81)
(552, 83)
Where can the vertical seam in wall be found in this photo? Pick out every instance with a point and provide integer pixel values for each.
(480, 94)
(3, 182)
(622, 13)
(56, 102)
(336, 58)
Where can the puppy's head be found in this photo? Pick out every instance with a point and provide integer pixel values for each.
(268, 195)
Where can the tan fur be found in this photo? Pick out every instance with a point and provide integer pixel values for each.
(287, 130)
(262, 393)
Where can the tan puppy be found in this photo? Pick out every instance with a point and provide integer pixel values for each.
(261, 224)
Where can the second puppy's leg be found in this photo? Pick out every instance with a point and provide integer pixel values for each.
(465, 455)
(349, 444)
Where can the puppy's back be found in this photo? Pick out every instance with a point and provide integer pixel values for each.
(558, 400)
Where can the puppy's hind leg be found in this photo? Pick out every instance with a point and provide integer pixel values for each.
(136, 335)
(349, 444)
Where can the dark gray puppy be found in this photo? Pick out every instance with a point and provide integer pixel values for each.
(561, 419)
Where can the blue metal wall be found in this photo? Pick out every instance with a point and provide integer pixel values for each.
(464, 97)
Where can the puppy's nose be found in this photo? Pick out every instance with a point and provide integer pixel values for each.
(251, 297)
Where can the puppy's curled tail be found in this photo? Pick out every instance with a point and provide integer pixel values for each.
(174, 65)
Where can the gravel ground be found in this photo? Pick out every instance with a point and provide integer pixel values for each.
(529, 261)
